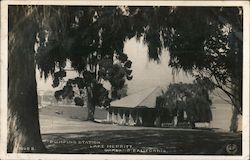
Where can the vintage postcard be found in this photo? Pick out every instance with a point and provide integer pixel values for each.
(125, 80)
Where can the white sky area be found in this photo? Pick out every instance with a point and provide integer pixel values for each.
(145, 73)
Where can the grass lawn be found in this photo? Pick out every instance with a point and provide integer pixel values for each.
(64, 131)
(75, 113)
(150, 141)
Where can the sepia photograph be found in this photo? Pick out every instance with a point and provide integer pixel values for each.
(125, 79)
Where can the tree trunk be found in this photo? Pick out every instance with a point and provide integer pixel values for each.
(237, 103)
(234, 120)
(236, 79)
(23, 119)
(236, 107)
(90, 105)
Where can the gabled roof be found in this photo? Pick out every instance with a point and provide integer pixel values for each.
(144, 98)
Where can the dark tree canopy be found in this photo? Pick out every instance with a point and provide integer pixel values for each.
(208, 42)
(193, 98)
(94, 37)
(204, 41)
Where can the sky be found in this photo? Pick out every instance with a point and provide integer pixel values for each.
(145, 73)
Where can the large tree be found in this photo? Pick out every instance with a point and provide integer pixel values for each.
(23, 123)
(210, 45)
(24, 25)
(93, 41)
(55, 32)
(203, 40)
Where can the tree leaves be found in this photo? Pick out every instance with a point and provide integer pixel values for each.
(201, 40)
(78, 101)
(192, 98)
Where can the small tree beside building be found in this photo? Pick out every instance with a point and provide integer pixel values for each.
(188, 102)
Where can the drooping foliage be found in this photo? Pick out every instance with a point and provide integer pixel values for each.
(212, 46)
(204, 41)
(93, 39)
(193, 98)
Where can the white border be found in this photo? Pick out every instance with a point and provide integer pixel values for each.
(4, 78)
(4, 71)
(246, 52)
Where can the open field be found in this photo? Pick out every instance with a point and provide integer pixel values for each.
(67, 112)
(63, 133)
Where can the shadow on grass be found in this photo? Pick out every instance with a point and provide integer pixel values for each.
(147, 141)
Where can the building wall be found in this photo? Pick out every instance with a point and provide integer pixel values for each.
(221, 117)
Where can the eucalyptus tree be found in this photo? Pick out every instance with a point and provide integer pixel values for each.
(23, 122)
(29, 27)
(60, 33)
(93, 43)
